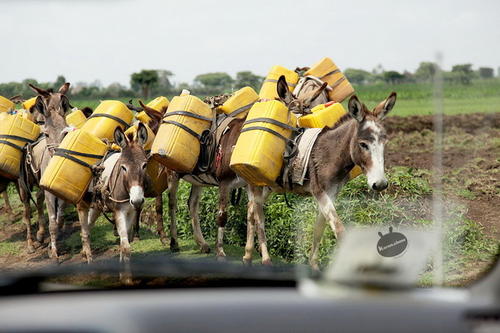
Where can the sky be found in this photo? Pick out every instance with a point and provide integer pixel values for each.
(86, 40)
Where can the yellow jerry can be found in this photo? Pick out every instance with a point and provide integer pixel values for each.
(76, 119)
(15, 133)
(133, 129)
(6, 104)
(106, 117)
(27, 104)
(323, 115)
(158, 104)
(177, 143)
(258, 154)
(158, 174)
(328, 72)
(26, 114)
(68, 173)
(268, 89)
(239, 103)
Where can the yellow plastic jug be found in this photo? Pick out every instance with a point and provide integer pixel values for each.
(328, 72)
(27, 104)
(15, 133)
(323, 115)
(239, 103)
(26, 114)
(76, 119)
(158, 104)
(268, 89)
(6, 104)
(106, 117)
(158, 173)
(258, 154)
(68, 174)
(177, 143)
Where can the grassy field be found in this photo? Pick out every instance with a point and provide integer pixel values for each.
(414, 98)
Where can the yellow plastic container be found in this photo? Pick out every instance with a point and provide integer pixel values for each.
(66, 178)
(158, 104)
(15, 133)
(258, 154)
(239, 103)
(26, 114)
(76, 119)
(6, 104)
(323, 115)
(27, 104)
(327, 71)
(179, 148)
(268, 89)
(158, 173)
(106, 117)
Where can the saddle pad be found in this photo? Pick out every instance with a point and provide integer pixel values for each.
(301, 161)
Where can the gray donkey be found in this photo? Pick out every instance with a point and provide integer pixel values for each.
(358, 138)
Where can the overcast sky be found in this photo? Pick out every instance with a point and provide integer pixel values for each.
(110, 39)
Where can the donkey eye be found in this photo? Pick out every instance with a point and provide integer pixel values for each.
(144, 165)
(363, 145)
(124, 168)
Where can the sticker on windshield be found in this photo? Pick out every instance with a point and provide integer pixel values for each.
(392, 244)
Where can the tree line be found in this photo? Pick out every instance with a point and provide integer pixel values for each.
(148, 83)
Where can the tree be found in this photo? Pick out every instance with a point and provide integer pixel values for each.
(426, 71)
(486, 72)
(463, 73)
(164, 84)
(247, 78)
(145, 80)
(214, 82)
(393, 77)
(358, 76)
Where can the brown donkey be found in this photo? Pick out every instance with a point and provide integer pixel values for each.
(358, 138)
(123, 188)
(49, 109)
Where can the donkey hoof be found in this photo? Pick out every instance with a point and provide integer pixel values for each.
(247, 262)
(267, 262)
(205, 249)
(31, 249)
(174, 247)
(221, 258)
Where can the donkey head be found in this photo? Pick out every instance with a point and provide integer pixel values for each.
(302, 103)
(132, 163)
(367, 147)
(156, 117)
(50, 108)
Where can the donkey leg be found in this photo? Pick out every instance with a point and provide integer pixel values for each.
(259, 197)
(8, 207)
(172, 211)
(319, 229)
(159, 219)
(60, 213)
(222, 219)
(42, 222)
(194, 205)
(84, 216)
(50, 202)
(249, 246)
(124, 218)
(330, 213)
(27, 219)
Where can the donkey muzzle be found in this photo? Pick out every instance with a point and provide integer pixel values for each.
(136, 196)
(380, 185)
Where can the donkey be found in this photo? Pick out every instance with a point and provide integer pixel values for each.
(49, 109)
(358, 138)
(123, 187)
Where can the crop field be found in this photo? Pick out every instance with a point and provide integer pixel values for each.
(471, 180)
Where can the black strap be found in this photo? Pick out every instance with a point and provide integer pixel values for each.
(13, 145)
(240, 110)
(187, 114)
(72, 152)
(330, 73)
(253, 128)
(184, 127)
(15, 137)
(288, 83)
(74, 159)
(271, 121)
(119, 120)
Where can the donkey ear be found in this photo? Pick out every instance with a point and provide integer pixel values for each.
(283, 92)
(142, 134)
(120, 138)
(152, 113)
(64, 88)
(87, 111)
(356, 109)
(385, 106)
(39, 91)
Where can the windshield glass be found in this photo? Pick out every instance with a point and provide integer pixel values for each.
(267, 144)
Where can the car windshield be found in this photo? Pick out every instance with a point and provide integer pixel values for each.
(199, 139)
